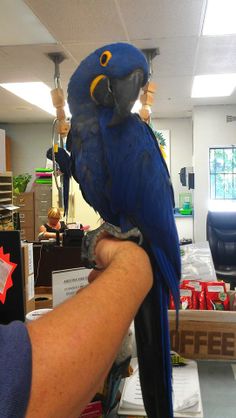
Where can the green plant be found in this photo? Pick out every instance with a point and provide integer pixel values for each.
(20, 182)
(159, 136)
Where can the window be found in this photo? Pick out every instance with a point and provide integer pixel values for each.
(222, 173)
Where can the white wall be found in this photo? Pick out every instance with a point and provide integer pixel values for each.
(29, 143)
(181, 148)
(209, 128)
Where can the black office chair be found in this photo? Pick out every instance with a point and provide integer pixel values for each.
(221, 234)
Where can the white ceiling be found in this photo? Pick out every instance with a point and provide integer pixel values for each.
(77, 27)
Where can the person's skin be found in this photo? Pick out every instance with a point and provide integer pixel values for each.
(54, 223)
(74, 346)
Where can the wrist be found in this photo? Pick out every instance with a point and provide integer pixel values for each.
(133, 263)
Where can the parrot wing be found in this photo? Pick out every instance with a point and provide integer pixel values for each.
(141, 194)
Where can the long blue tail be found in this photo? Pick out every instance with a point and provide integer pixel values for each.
(153, 339)
(153, 348)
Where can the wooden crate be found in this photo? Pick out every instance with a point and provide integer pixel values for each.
(204, 334)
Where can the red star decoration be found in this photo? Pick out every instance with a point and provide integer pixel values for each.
(9, 282)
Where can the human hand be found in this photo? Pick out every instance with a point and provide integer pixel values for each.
(105, 251)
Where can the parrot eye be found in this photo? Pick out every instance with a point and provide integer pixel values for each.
(105, 58)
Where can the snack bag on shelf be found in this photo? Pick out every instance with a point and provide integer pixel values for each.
(216, 296)
(199, 300)
(171, 302)
(187, 298)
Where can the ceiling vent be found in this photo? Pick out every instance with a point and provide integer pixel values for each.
(230, 118)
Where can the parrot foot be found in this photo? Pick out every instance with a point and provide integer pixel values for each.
(92, 237)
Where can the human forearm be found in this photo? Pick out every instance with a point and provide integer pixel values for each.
(48, 235)
(76, 344)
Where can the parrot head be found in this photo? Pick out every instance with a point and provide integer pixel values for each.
(111, 77)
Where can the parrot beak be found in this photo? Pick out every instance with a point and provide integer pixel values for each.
(100, 91)
(125, 92)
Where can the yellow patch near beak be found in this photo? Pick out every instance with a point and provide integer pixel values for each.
(95, 82)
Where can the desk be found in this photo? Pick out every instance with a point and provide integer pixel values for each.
(218, 389)
(48, 258)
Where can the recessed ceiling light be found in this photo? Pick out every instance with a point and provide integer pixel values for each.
(36, 93)
(213, 85)
(220, 17)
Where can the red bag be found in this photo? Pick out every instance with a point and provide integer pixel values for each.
(199, 300)
(186, 297)
(216, 296)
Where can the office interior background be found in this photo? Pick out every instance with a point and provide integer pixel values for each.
(31, 29)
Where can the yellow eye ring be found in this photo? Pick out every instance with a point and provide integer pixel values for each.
(105, 58)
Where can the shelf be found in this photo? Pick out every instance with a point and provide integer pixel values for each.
(6, 197)
(6, 174)
(5, 216)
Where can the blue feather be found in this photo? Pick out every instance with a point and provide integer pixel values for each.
(122, 175)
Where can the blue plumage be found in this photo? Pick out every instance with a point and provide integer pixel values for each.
(121, 172)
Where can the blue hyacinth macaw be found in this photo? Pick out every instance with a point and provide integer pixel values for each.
(117, 162)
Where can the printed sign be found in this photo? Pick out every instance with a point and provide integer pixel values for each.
(66, 283)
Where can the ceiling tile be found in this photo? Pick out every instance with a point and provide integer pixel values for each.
(79, 20)
(147, 19)
(173, 87)
(176, 58)
(216, 55)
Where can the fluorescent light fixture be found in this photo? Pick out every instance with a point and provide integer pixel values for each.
(213, 85)
(220, 17)
(36, 93)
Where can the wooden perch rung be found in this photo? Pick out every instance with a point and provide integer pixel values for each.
(147, 99)
(150, 87)
(58, 97)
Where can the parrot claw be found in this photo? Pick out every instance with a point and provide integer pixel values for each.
(91, 238)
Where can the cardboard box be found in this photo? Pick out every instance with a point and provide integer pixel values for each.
(204, 334)
(28, 273)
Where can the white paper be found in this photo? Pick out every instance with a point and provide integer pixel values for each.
(5, 269)
(186, 393)
(65, 283)
(30, 287)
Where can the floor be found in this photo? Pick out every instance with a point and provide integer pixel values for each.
(218, 388)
